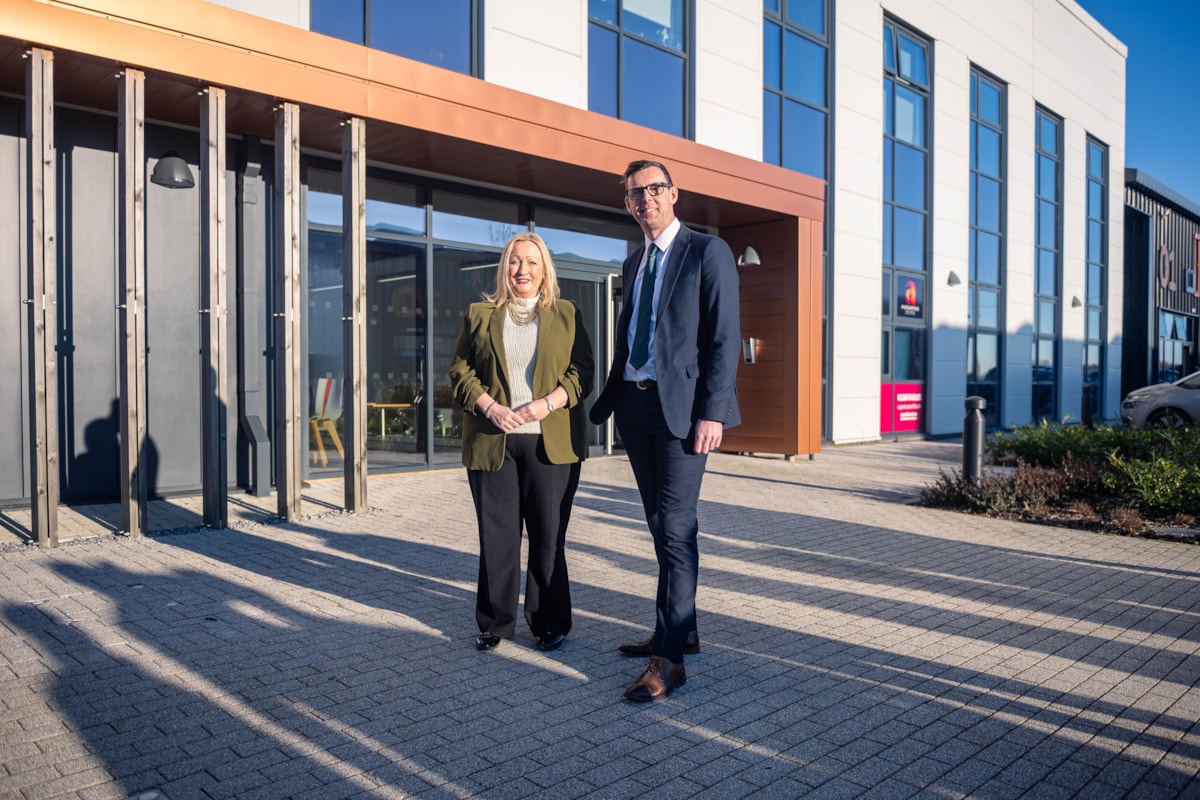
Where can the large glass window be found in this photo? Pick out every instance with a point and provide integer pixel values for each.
(1176, 333)
(431, 252)
(795, 85)
(906, 226)
(987, 247)
(444, 34)
(1095, 320)
(1048, 264)
(638, 62)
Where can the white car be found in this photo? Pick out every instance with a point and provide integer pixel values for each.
(1164, 405)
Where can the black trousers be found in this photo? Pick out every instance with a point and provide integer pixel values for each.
(668, 475)
(526, 491)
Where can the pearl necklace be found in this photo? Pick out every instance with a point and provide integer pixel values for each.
(520, 315)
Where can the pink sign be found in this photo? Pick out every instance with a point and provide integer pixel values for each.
(901, 407)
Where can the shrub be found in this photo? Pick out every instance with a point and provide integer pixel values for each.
(1162, 486)
(1049, 445)
(1111, 478)
(1022, 488)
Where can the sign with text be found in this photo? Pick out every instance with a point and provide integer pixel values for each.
(902, 407)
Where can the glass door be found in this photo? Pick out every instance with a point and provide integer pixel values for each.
(587, 287)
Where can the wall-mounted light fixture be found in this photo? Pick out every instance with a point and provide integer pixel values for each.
(749, 258)
(750, 350)
(952, 279)
(1075, 302)
(173, 172)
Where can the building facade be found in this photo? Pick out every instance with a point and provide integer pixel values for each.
(1162, 297)
(919, 191)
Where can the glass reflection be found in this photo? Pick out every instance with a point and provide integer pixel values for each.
(912, 61)
(395, 390)
(805, 63)
(460, 277)
(661, 109)
(910, 355)
(660, 22)
(910, 116)
(808, 13)
(433, 33)
(573, 235)
(804, 135)
(475, 220)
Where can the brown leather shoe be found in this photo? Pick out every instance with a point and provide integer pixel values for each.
(660, 679)
(646, 647)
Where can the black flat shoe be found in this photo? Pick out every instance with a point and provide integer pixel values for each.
(487, 641)
(550, 641)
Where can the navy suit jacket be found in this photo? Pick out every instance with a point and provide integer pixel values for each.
(697, 340)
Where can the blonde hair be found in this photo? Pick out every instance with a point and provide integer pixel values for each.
(548, 292)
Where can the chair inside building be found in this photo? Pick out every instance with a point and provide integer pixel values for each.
(327, 410)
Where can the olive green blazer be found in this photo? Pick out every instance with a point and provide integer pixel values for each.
(564, 358)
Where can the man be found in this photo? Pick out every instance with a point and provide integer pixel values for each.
(671, 393)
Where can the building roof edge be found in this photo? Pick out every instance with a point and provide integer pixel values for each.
(1140, 178)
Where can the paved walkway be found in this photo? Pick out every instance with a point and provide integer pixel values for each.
(854, 645)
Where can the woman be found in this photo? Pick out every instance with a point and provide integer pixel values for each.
(522, 367)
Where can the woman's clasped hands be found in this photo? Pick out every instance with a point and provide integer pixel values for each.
(507, 419)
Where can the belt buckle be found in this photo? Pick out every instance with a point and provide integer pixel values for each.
(643, 385)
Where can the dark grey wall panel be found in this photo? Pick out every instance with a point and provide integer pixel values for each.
(172, 321)
(87, 264)
(14, 424)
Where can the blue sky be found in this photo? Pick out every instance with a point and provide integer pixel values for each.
(1162, 86)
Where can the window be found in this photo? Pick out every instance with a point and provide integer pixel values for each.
(1175, 337)
(985, 297)
(1095, 321)
(796, 85)
(444, 34)
(906, 225)
(637, 63)
(1047, 264)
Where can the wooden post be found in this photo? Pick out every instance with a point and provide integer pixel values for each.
(131, 226)
(42, 302)
(214, 309)
(354, 293)
(289, 432)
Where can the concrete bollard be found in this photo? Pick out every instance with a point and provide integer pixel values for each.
(973, 436)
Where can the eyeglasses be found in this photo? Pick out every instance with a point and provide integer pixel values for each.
(654, 190)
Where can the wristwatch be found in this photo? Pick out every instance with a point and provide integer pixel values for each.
(549, 405)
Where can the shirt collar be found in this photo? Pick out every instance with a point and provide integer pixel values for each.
(665, 238)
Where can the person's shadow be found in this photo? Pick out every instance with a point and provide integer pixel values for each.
(95, 474)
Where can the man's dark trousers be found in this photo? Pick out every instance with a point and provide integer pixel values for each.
(668, 475)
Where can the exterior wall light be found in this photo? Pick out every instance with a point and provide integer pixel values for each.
(173, 172)
(749, 258)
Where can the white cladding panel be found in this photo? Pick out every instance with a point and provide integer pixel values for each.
(289, 12)
(538, 47)
(728, 55)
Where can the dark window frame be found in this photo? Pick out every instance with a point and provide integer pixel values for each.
(1094, 296)
(1046, 380)
(775, 90)
(684, 54)
(897, 79)
(982, 385)
(475, 44)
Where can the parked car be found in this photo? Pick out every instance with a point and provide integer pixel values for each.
(1164, 405)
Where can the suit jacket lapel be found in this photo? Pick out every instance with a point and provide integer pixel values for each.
(545, 318)
(496, 334)
(674, 265)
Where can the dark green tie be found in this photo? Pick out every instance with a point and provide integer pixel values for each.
(641, 338)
